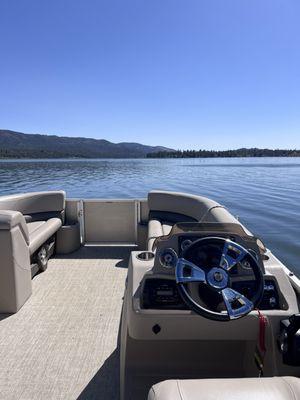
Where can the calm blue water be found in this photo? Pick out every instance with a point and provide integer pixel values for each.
(264, 193)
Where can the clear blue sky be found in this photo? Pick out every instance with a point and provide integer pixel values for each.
(186, 74)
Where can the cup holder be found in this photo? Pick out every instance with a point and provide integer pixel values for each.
(145, 256)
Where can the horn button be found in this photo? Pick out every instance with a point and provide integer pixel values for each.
(217, 278)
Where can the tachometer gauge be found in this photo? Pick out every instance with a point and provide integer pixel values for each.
(168, 258)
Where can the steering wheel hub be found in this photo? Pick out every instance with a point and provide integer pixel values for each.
(217, 278)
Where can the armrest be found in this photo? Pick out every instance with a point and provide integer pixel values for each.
(10, 219)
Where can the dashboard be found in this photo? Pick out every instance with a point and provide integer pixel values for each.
(161, 292)
(168, 256)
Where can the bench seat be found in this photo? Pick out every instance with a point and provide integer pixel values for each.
(169, 208)
(41, 231)
(27, 222)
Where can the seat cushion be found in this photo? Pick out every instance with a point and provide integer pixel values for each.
(154, 229)
(166, 227)
(157, 229)
(33, 226)
(276, 388)
(41, 231)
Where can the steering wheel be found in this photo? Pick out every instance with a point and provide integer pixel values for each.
(205, 274)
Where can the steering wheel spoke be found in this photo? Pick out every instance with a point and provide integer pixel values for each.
(232, 254)
(188, 272)
(236, 304)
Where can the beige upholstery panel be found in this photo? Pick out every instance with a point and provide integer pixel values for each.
(10, 219)
(200, 208)
(166, 227)
(157, 229)
(196, 207)
(219, 214)
(154, 229)
(19, 240)
(36, 202)
(43, 233)
(181, 203)
(33, 226)
(165, 390)
(277, 388)
(15, 272)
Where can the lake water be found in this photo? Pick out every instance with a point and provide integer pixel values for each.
(264, 193)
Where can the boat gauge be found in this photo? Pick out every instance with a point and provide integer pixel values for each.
(185, 243)
(168, 258)
(246, 265)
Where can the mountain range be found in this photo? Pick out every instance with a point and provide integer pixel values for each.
(23, 145)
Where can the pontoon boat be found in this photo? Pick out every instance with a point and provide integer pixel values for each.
(164, 298)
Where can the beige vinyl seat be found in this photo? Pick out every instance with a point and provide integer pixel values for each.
(41, 215)
(157, 228)
(169, 208)
(276, 388)
(28, 223)
(40, 231)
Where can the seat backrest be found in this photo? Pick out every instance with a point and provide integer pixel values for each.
(192, 207)
(37, 205)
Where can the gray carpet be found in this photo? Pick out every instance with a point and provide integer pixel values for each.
(63, 343)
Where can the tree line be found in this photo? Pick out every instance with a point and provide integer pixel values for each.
(254, 152)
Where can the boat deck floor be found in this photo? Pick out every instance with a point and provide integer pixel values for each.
(62, 344)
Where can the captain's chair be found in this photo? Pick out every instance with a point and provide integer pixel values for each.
(276, 388)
